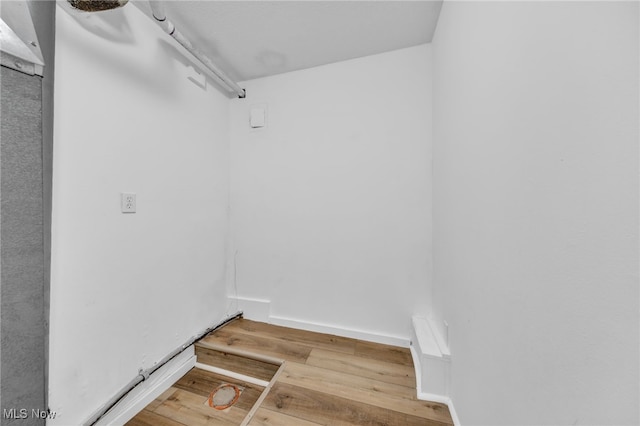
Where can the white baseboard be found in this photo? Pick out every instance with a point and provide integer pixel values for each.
(452, 411)
(431, 358)
(425, 396)
(418, 369)
(340, 331)
(253, 309)
(150, 389)
(260, 310)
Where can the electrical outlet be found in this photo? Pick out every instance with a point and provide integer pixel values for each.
(128, 202)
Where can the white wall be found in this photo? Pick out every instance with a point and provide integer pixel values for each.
(536, 209)
(331, 203)
(127, 289)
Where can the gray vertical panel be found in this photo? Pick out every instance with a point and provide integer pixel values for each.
(22, 333)
(44, 20)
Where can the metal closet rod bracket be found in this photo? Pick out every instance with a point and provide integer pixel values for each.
(159, 15)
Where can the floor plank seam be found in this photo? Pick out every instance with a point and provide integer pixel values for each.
(264, 394)
(297, 378)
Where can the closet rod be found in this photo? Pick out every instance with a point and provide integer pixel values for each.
(157, 8)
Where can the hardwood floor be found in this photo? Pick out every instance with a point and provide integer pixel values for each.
(313, 379)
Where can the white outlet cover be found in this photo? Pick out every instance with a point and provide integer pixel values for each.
(128, 202)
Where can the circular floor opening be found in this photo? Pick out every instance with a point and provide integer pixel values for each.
(224, 396)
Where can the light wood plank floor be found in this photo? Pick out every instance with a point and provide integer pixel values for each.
(324, 380)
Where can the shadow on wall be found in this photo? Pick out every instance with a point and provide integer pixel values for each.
(180, 56)
(113, 27)
(110, 25)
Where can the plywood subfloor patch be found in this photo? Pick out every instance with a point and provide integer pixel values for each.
(326, 380)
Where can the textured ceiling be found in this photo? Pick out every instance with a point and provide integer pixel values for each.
(250, 39)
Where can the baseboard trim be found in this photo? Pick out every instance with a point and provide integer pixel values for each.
(417, 366)
(253, 309)
(425, 396)
(150, 389)
(340, 331)
(260, 310)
